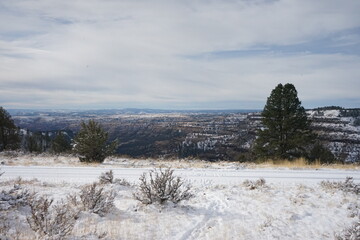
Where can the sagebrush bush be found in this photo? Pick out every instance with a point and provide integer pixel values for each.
(161, 186)
(350, 233)
(51, 221)
(254, 184)
(94, 198)
(14, 197)
(106, 177)
(347, 186)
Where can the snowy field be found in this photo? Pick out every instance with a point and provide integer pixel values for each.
(292, 204)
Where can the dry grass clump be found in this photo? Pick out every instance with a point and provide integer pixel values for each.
(252, 185)
(303, 163)
(296, 163)
(161, 186)
(11, 153)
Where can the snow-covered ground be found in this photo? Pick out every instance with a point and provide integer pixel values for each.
(291, 205)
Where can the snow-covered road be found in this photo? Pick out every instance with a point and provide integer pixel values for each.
(201, 176)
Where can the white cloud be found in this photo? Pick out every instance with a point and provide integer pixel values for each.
(137, 52)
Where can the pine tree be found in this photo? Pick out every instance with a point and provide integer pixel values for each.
(60, 143)
(9, 133)
(286, 132)
(91, 143)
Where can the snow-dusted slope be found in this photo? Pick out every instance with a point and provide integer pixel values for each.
(339, 132)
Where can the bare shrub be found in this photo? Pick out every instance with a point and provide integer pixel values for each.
(106, 177)
(51, 221)
(260, 183)
(347, 186)
(161, 186)
(350, 233)
(94, 198)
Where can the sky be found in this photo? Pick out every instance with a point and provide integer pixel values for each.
(185, 54)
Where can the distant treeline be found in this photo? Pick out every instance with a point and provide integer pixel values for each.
(329, 108)
(351, 112)
(46, 141)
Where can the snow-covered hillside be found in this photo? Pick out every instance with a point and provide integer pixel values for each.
(340, 133)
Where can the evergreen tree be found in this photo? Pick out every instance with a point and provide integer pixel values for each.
(9, 133)
(286, 132)
(321, 153)
(32, 142)
(91, 143)
(60, 143)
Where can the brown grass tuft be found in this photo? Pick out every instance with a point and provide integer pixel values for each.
(302, 163)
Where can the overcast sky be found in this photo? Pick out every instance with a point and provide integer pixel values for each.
(185, 54)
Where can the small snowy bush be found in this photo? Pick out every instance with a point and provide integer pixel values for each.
(95, 199)
(51, 221)
(254, 184)
(347, 186)
(15, 197)
(161, 186)
(351, 233)
(106, 177)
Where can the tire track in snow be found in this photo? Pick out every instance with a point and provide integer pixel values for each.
(215, 212)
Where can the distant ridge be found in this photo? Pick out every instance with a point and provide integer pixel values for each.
(27, 112)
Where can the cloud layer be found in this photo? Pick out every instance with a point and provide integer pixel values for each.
(177, 54)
